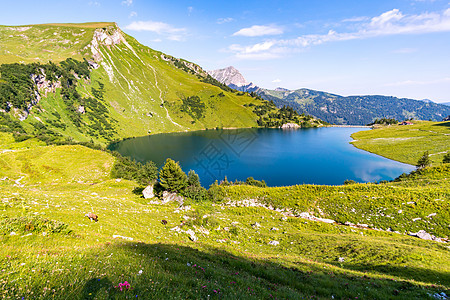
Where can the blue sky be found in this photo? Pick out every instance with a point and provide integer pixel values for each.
(347, 47)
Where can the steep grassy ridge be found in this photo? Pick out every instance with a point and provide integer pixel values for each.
(50, 250)
(144, 91)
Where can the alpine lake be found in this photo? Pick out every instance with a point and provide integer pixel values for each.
(280, 157)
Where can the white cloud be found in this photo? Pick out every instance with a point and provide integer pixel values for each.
(133, 14)
(276, 80)
(392, 22)
(224, 20)
(190, 10)
(259, 30)
(94, 3)
(260, 51)
(356, 19)
(127, 2)
(161, 28)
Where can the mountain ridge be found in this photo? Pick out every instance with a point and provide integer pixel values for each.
(143, 90)
(350, 110)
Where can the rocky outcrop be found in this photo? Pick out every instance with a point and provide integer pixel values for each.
(228, 76)
(109, 36)
(290, 126)
(422, 234)
(169, 197)
(148, 192)
(308, 216)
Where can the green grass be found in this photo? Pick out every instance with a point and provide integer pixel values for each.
(57, 253)
(313, 260)
(407, 143)
(143, 89)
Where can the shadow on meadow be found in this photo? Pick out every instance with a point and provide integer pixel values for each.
(443, 124)
(172, 271)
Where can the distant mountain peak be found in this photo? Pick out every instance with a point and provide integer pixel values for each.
(229, 76)
(280, 89)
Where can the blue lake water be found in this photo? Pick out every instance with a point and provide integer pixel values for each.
(280, 157)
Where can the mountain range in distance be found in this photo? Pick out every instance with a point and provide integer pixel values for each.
(336, 109)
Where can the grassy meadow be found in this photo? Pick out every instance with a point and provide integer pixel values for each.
(407, 143)
(50, 250)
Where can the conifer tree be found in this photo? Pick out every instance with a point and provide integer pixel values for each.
(171, 177)
(424, 161)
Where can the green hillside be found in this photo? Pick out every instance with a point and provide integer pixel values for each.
(50, 250)
(407, 143)
(130, 89)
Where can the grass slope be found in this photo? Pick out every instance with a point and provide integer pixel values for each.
(58, 253)
(143, 89)
(407, 143)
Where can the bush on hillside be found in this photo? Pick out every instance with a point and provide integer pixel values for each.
(194, 189)
(424, 161)
(446, 159)
(129, 169)
(254, 182)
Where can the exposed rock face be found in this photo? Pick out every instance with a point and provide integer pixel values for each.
(308, 216)
(93, 64)
(290, 126)
(167, 197)
(107, 37)
(148, 192)
(229, 76)
(422, 234)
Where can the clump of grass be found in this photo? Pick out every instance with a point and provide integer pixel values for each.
(27, 224)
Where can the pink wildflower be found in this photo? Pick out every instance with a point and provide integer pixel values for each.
(123, 286)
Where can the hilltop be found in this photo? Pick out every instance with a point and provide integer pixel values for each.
(114, 87)
(336, 109)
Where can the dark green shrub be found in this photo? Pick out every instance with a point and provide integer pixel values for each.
(446, 159)
(254, 182)
(129, 169)
(349, 181)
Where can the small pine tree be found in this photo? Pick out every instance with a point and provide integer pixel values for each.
(446, 159)
(193, 179)
(171, 177)
(424, 161)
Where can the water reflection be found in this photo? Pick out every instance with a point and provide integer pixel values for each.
(280, 157)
